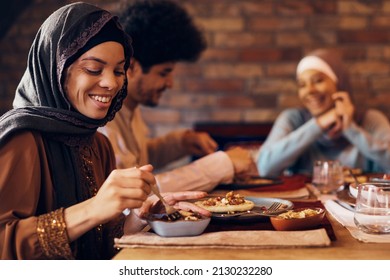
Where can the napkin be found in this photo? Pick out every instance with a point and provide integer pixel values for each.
(250, 239)
(345, 217)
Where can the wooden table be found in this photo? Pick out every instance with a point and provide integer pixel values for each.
(345, 247)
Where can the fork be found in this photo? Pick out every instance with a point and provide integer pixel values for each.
(269, 212)
(172, 213)
(273, 208)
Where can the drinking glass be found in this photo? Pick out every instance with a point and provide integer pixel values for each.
(328, 175)
(372, 211)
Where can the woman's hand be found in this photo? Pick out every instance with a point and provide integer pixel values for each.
(177, 200)
(339, 118)
(344, 108)
(124, 188)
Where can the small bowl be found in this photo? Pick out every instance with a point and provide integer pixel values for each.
(177, 228)
(280, 223)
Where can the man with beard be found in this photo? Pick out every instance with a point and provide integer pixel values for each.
(164, 34)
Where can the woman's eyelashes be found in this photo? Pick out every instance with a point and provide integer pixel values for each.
(97, 72)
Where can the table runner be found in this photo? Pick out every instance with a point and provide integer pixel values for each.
(229, 240)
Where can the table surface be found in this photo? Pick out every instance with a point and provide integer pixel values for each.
(345, 247)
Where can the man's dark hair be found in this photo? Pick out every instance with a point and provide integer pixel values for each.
(162, 31)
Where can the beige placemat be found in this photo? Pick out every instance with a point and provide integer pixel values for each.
(253, 239)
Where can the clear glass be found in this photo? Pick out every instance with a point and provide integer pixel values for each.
(328, 175)
(372, 211)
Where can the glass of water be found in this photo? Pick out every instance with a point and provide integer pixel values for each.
(372, 211)
(328, 175)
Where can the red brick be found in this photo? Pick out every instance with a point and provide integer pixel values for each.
(273, 85)
(275, 23)
(293, 39)
(358, 7)
(226, 115)
(214, 85)
(237, 101)
(242, 40)
(221, 24)
(226, 55)
(270, 54)
(183, 100)
(306, 7)
(370, 68)
(364, 36)
(224, 70)
(281, 69)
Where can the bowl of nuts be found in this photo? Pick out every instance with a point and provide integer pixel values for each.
(298, 219)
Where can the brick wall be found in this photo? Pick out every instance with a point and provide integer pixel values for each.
(247, 73)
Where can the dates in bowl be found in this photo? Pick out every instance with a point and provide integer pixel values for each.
(191, 224)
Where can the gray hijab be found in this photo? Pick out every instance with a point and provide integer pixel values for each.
(40, 105)
(40, 101)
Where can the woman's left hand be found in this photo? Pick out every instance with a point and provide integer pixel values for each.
(177, 200)
(344, 108)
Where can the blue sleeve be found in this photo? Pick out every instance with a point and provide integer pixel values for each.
(372, 139)
(289, 138)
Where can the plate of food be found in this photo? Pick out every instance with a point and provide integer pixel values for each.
(251, 182)
(234, 206)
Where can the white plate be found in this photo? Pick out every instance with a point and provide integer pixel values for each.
(259, 203)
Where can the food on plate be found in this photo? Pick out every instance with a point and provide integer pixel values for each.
(292, 214)
(185, 216)
(190, 216)
(229, 204)
(298, 219)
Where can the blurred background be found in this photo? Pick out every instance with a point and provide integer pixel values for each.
(248, 72)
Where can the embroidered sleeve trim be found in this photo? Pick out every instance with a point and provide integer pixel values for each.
(52, 235)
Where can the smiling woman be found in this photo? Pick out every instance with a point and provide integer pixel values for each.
(53, 208)
(93, 80)
(61, 196)
(327, 127)
(66, 199)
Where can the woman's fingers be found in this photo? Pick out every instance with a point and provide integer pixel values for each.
(188, 206)
(172, 198)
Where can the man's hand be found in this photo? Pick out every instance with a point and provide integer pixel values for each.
(243, 163)
(198, 143)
